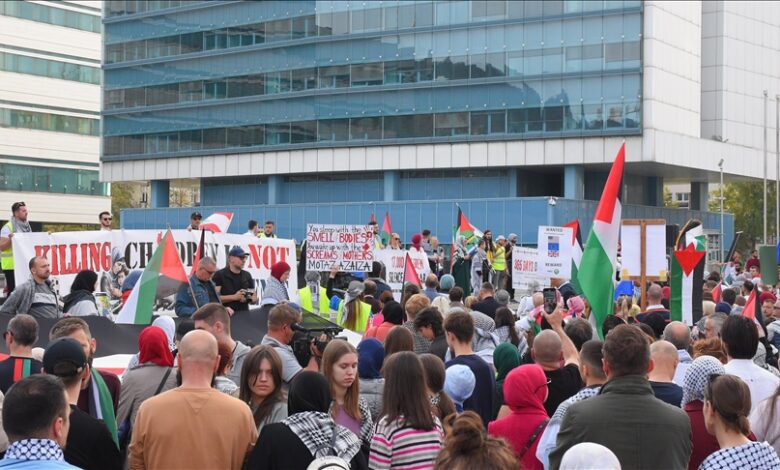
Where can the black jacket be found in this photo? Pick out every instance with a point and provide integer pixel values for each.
(488, 306)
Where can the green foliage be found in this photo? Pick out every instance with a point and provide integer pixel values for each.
(668, 201)
(123, 196)
(745, 201)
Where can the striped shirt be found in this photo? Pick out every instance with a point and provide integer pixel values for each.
(397, 446)
(14, 369)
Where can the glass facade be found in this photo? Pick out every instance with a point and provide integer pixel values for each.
(202, 77)
(48, 122)
(49, 68)
(51, 15)
(46, 179)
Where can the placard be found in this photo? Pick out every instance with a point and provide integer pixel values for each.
(554, 255)
(525, 273)
(394, 267)
(350, 247)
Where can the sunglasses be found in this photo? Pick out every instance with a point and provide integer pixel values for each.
(549, 381)
(107, 218)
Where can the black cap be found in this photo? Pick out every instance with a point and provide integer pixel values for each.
(64, 357)
(196, 215)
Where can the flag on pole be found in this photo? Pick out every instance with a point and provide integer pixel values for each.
(163, 276)
(387, 231)
(686, 294)
(463, 228)
(576, 254)
(218, 222)
(198, 252)
(410, 274)
(716, 292)
(373, 219)
(752, 308)
(597, 268)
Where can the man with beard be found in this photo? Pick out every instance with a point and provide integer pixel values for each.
(37, 296)
(100, 393)
(17, 224)
(233, 283)
(219, 429)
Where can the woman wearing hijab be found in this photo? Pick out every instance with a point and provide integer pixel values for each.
(416, 242)
(461, 265)
(166, 324)
(371, 356)
(353, 314)
(694, 381)
(505, 359)
(81, 300)
(525, 390)
(275, 284)
(152, 376)
(308, 431)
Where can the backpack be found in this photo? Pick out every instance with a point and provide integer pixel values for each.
(331, 461)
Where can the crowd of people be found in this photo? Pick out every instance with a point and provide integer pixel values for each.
(453, 374)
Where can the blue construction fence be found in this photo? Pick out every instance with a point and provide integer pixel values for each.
(503, 216)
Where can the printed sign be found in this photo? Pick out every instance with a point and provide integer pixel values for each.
(555, 251)
(113, 255)
(350, 247)
(525, 272)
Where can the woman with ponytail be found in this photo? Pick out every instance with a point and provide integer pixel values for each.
(467, 446)
(726, 409)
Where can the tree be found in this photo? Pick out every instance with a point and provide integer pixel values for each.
(745, 201)
(668, 201)
(123, 196)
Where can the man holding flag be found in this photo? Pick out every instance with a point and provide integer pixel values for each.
(200, 290)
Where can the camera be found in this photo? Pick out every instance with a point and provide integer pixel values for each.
(304, 337)
(248, 293)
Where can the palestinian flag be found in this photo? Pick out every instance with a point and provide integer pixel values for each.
(387, 231)
(576, 254)
(686, 293)
(198, 252)
(716, 292)
(692, 233)
(597, 268)
(464, 228)
(163, 277)
(752, 308)
(410, 274)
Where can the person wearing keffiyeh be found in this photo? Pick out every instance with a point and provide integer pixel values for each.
(694, 382)
(275, 284)
(308, 432)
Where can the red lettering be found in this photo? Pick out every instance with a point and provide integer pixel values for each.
(254, 258)
(269, 256)
(94, 256)
(105, 256)
(63, 258)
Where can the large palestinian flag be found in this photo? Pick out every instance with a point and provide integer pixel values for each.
(387, 231)
(597, 268)
(688, 274)
(464, 228)
(576, 254)
(163, 277)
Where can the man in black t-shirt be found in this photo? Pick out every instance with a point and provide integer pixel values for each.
(551, 348)
(235, 287)
(21, 335)
(89, 445)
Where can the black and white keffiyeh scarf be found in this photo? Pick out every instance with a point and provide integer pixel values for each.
(696, 376)
(34, 449)
(315, 430)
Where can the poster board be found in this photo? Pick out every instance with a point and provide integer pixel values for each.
(554, 252)
(525, 274)
(350, 247)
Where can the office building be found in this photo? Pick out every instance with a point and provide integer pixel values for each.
(50, 77)
(328, 111)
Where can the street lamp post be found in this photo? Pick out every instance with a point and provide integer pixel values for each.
(777, 170)
(722, 238)
(766, 94)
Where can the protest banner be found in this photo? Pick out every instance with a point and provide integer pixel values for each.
(350, 247)
(525, 272)
(112, 255)
(394, 267)
(554, 255)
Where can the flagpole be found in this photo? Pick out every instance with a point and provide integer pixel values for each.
(766, 94)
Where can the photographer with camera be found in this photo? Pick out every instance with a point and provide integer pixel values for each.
(235, 287)
(283, 322)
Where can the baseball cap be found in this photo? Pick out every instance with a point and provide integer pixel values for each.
(64, 357)
(196, 215)
(238, 251)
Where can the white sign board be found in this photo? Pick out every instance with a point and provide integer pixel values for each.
(113, 254)
(631, 249)
(350, 247)
(394, 267)
(555, 246)
(525, 273)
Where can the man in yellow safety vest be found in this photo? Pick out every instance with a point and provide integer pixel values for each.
(314, 297)
(17, 224)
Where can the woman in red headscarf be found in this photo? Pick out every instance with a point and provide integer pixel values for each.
(276, 284)
(154, 374)
(525, 390)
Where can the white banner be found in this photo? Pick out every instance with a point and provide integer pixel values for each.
(114, 254)
(525, 273)
(554, 256)
(394, 267)
(350, 247)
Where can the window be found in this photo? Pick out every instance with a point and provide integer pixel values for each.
(304, 79)
(51, 15)
(401, 127)
(277, 82)
(304, 27)
(48, 122)
(449, 124)
(279, 30)
(369, 128)
(367, 74)
(452, 68)
(214, 90)
(114, 99)
(483, 123)
(334, 77)
(334, 130)
(192, 42)
(191, 91)
(49, 68)
(51, 180)
(214, 138)
(191, 140)
(303, 131)
(277, 134)
(248, 85)
(163, 94)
